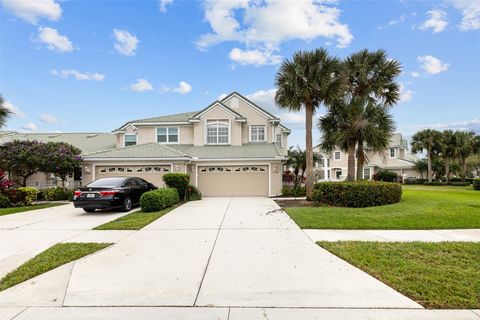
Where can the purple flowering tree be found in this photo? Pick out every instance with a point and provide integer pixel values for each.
(61, 159)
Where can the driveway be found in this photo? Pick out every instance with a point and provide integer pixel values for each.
(23, 235)
(223, 252)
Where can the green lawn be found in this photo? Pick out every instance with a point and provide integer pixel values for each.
(135, 220)
(5, 211)
(442, 275)
(53, 257)
(422, 207)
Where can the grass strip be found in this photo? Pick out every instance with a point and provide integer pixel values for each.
(5, 211)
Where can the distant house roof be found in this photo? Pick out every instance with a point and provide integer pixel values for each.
(187, 152)
(396, 141)
(87, 142)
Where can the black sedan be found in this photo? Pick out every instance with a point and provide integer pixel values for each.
(111, 193)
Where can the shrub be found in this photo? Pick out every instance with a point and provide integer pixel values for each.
(357, 194)
(4, 182)
(460, 184)
(56, 194)
(434, 183)
(193, 194)
(31, 194)
(16, 197)
(178, 181)
(159, 199)
(385, 175)
(293, 192)
(4, 201)
(40, 195)
(414, 181)
(476, 184)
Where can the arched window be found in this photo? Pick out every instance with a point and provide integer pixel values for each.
(218, 132)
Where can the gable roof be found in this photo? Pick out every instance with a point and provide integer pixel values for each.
(175, 118)
(158, 151)
(87, 142)
(251, 103)
(237, 115)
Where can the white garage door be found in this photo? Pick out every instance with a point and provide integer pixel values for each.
(239, 181)
(152, 174)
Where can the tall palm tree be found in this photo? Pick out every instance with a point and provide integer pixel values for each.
(371, 81)
(427, 140)
(306, 81)
(4, 112)
(448, 150)
(467, 144)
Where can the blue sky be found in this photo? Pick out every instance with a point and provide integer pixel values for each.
(93, 65)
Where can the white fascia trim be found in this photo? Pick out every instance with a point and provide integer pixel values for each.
(213, 106)
(135, 159)
(240, 159)
(161, 123)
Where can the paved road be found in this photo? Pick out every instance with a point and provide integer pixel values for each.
(23, 235)
(222, 252)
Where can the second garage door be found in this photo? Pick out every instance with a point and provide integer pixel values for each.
(237, 181)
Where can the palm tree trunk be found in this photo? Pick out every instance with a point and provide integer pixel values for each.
(360, 161)
(464, 168)
(429, 166)
(447, 170)
(309, 149)
(351, 162)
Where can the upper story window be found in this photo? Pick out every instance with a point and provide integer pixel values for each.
(393, 153)
(218, 132)
(130, 139)
(167, 135)
(337, 155)
(257, 133)
(278, 140)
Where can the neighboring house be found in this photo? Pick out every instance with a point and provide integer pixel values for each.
(396, 158)
(87, 142)
(233, 147)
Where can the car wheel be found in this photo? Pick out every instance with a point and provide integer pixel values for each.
(127, 204)
(89, 209)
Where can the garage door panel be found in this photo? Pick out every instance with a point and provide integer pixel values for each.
(233, 180)
(153, 174)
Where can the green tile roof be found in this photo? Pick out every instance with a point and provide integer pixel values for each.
(160, 151)
(178, 117)
(87, 142)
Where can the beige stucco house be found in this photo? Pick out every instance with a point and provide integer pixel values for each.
(396, 158)
(232, 147)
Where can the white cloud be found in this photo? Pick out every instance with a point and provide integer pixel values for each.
(54, 41)
(415, 74)
(221, 96)
(32, 11)
(393, 22)
(254, 57)
(265, 25)
(432, 65)
(30, 126)
(437, 21)
(163, 4)
(467, 125)
(15, 110)
(48, 118)
(471, 13)
(182, 88)
(405, 94)
(91, 76)
(141, 85)
(125, 42)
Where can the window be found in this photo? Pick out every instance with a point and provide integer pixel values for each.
(167, 135)
(328, 163)
(337, 155)
(130, 140)
(328, 174)
(257, 133)
(366, 173)
(278, 140)
(338, 174)
(218, 132)
(392, 152)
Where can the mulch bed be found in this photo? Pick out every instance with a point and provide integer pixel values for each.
(295, 203)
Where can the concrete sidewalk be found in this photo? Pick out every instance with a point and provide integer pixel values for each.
(469, 235)
(213, 313)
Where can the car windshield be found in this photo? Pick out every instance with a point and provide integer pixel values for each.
(107, 183)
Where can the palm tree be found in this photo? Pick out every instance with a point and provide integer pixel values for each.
(448, 150)
(4, 112)
(304, 82)
(370, 78)
(427, 140)
(421, 166)
(467, 144)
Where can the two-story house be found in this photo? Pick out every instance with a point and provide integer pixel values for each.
(233, 147)
(396, 158)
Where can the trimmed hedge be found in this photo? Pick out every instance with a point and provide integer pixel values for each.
(159, 199)
(4, 201)
(293, 192)
(30, 195)
(454, 184)
(178, 181)
(17, 197)
(386, 176)
(476, 184)
(414, 181)
(193, 194)
(357, 194)
(56, 194)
